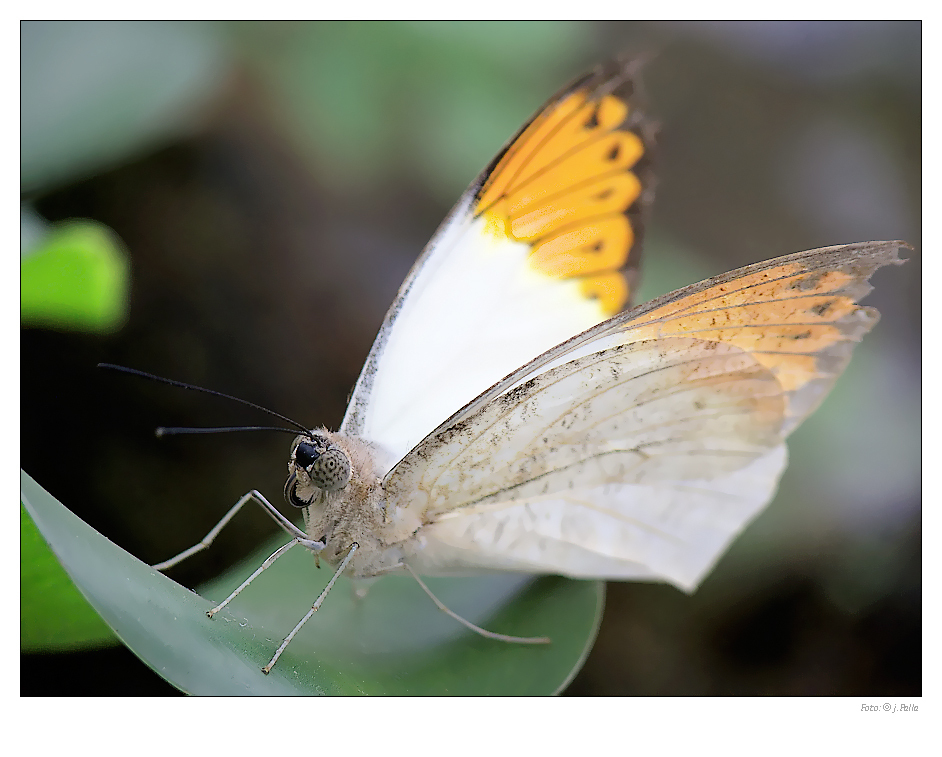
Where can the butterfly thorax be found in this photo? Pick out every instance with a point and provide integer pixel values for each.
(339, 481)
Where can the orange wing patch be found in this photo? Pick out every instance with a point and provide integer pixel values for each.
(796, 315)
(573, 185)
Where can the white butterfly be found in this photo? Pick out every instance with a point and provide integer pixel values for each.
(629, 445)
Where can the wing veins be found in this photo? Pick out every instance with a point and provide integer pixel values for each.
(598, 358)
(750, 303)
(554, 163)
(687, 310)
(604, 453)
(572, 226)
(725, 327)
(668, 393)
(723, 411)
(542, 144)
(596, 179)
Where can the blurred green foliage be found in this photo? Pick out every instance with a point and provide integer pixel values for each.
(364, 100)
(77, 279)
(94, 93)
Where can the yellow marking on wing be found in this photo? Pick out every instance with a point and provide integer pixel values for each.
(592, 120)
(606, 196)
(496, 226)
(610, 289)
(599, 245)
(565, 185)
(610, 155)
(521, 151)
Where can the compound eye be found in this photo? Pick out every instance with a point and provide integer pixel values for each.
(330, 471)
(305, 454)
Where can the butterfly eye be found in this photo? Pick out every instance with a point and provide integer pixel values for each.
(305, 454)
(328, 468)
(330, 471)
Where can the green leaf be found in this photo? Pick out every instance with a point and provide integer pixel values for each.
(76, 280)
(54, 615)
(393, 641)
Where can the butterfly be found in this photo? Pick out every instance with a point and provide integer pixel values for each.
(513, 415)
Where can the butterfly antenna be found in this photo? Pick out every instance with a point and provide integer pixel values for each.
(179, 430)
(182, 385)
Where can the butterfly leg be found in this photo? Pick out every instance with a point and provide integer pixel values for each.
(252, 496)
(317, 603)
(468, 624)
(314, 546)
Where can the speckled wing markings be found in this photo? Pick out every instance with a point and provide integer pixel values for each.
(796, 315)
(642, 447)
(542, 246)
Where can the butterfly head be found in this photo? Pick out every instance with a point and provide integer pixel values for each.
(315, 465)
(337, 480)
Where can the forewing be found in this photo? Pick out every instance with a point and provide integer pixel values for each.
(541, 247)
(642, 447)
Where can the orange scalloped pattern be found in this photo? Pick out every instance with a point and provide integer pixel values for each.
(564, 186)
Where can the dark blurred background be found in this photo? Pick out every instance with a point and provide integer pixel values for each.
(272, 184)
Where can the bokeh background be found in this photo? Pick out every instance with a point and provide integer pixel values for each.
(272, 183)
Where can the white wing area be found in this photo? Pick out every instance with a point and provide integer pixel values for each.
(639, 461)
(472, 312)
(673, 531)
